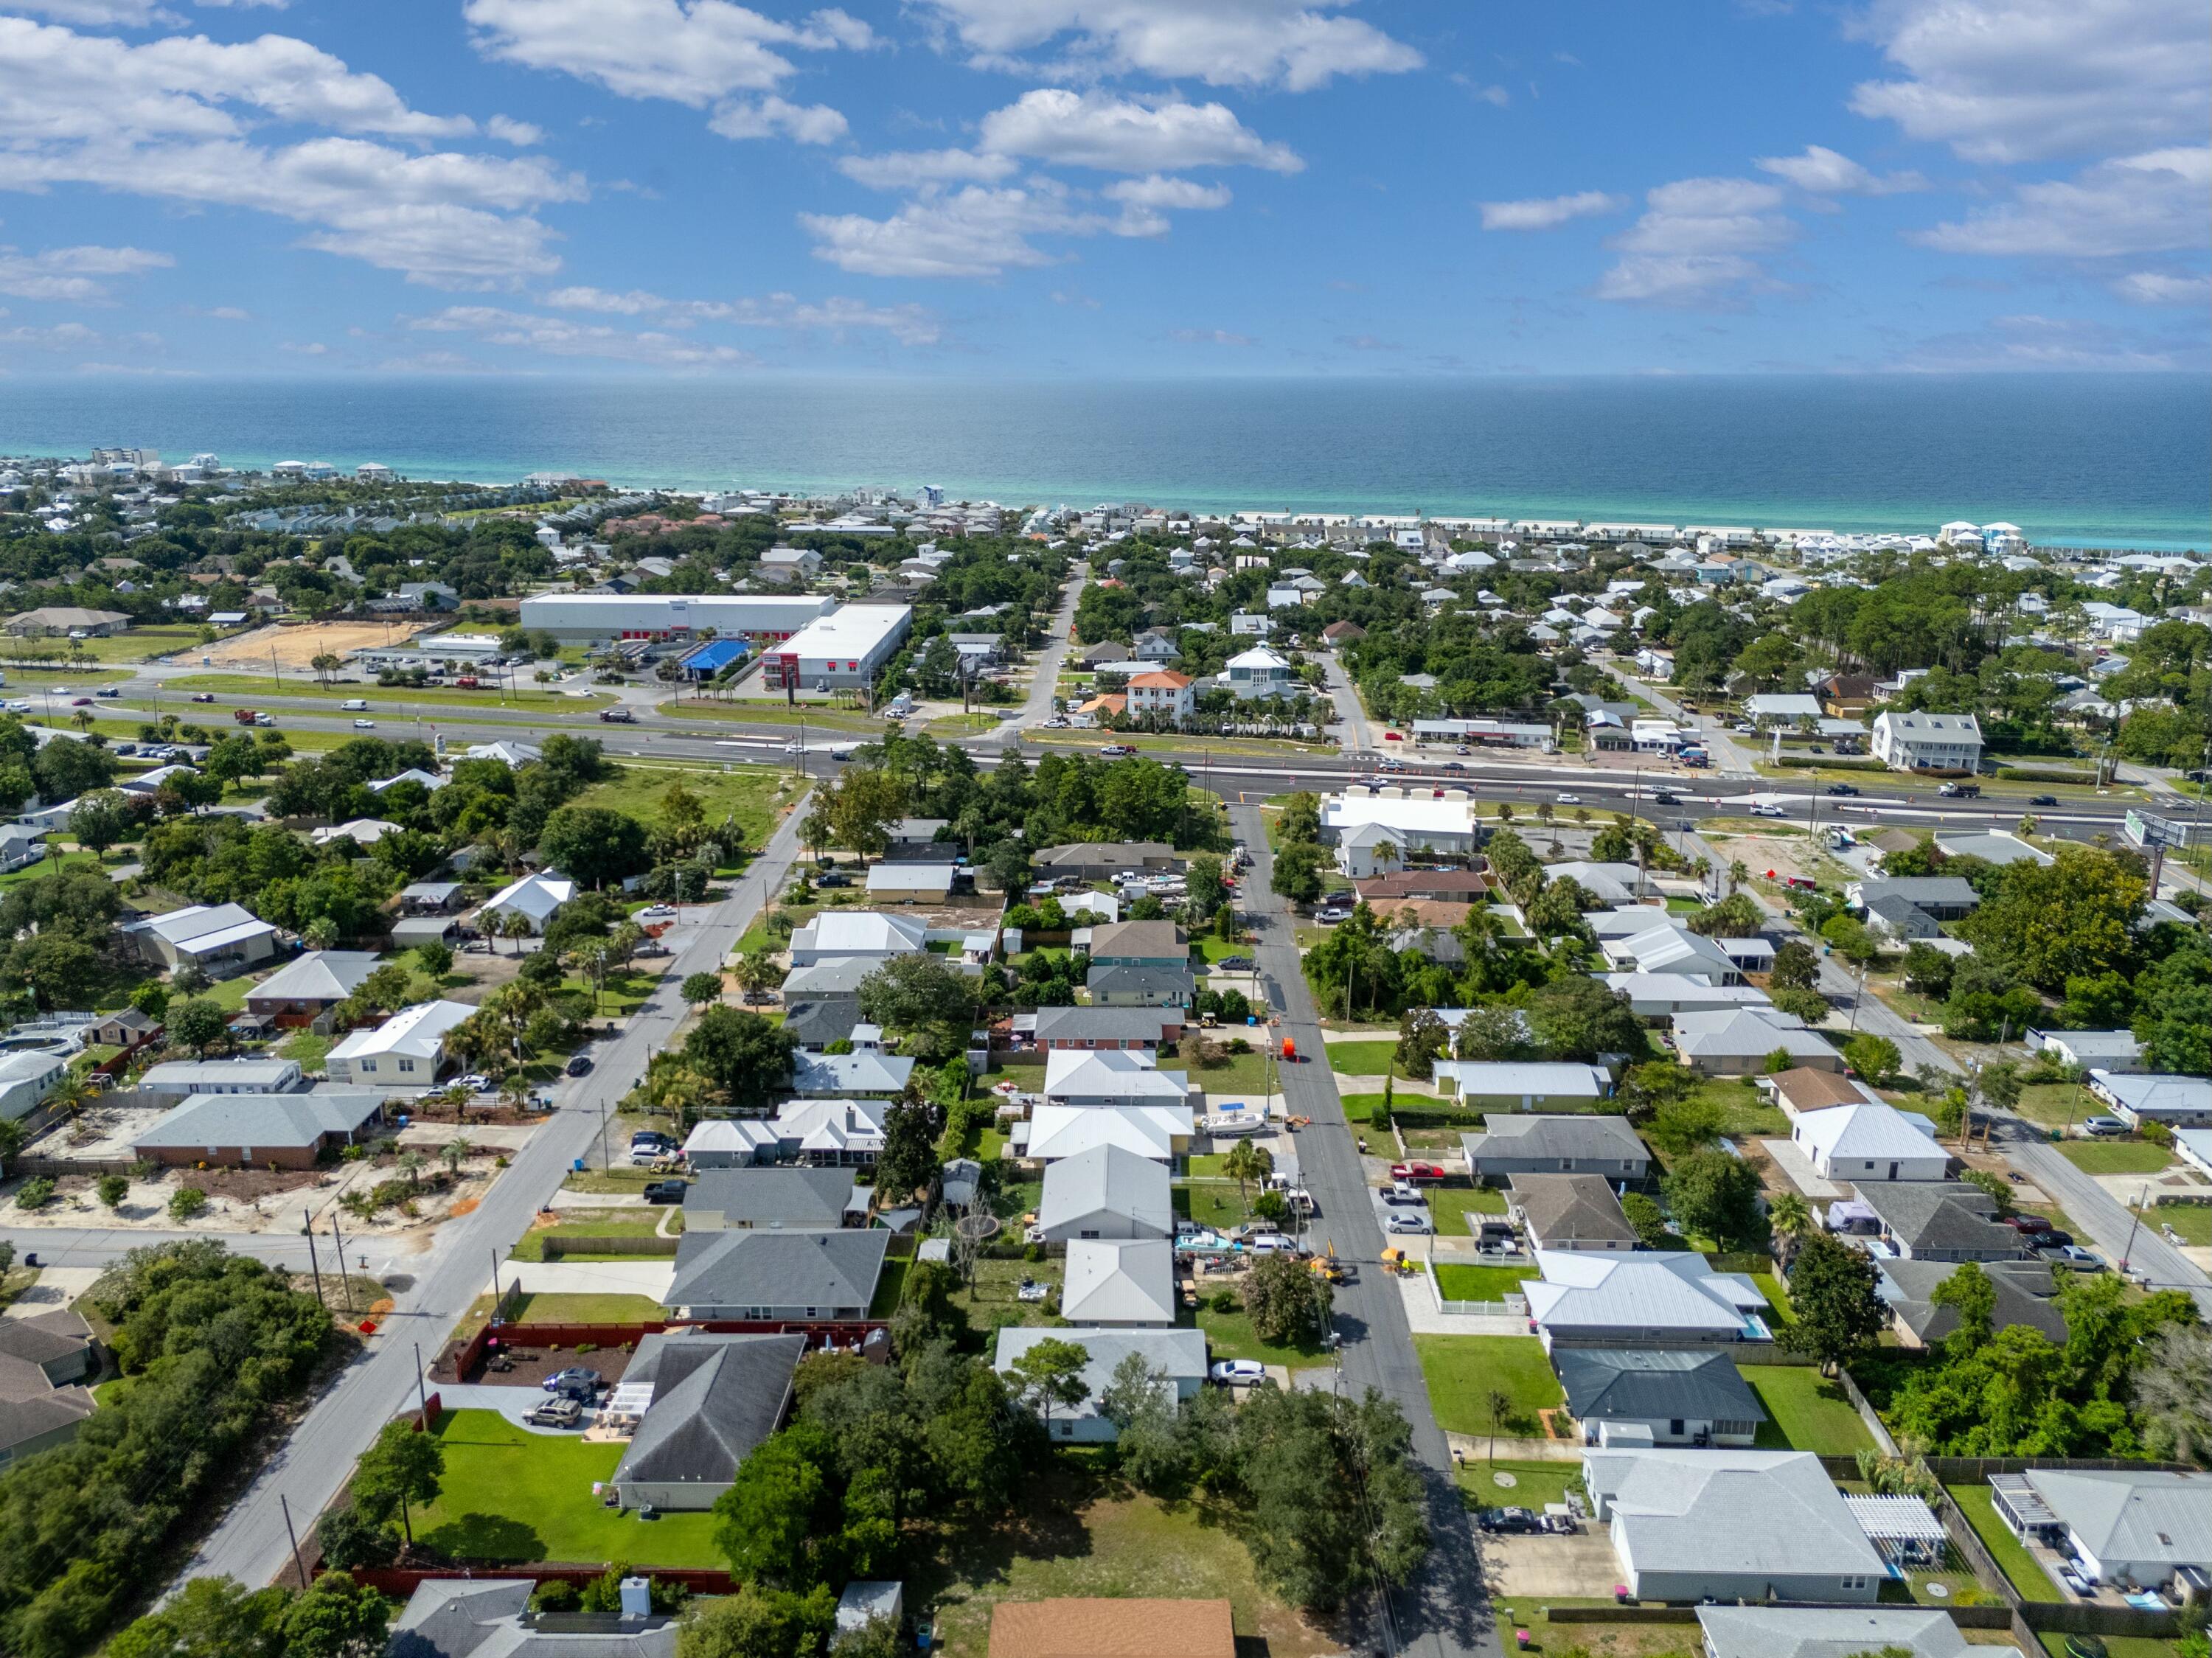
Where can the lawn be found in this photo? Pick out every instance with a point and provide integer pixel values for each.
(993, 1301)
(760, 711)
(579, 1223)
(1211, 1203)
(509, 1494)
(755, 796)
(890, 1287)
(1744, 1109)
(1231, 1334)
(589, 1310)
(1461, 1371)
(307, 1046)
(1077, 1537)
(2031, 1580)
(1462, 1283)
(1237, 1074)
(622, 993)
(1810, 1410)
(2191, 1222)
(1359, 1108)
(247, 687)
(2115, 1157)
(49, 864)
(1534, 1484)
(1778, 1295)
(1452, 1204)
(2055, 1105)
(1361, 1059)
(134, 645)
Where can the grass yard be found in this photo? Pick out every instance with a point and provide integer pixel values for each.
(49, 864)
(622, 993)
(1778, 1295)
(1534, 1484)
(993, 1301)
(1810, 1410)
(383, 699)
(1452, 1204)
(1211, 1203)
(1078, 1537)
(1359, 1108)
(579, 1224)
(1743, 1108)
(2117, 1646)
(1231, 1334)
(891, 1288)
(756, 796)
(1461, 1371)
(2056, 1104)
(510, 1494)
(588, 1309)
(2191, 1222)
(307, 1046)
(2012, 1556)
(1361, 1059)
(1461, 1282)
(2115, 1157)
(1237, 1074)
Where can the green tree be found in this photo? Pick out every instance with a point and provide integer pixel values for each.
(1297, 872)
(1717, 1195)
(860, 807)
(594, 846)
(757, 1623)
(1809, 1006)
(1296, 1454)
(1873, 1057)
(1050, 1372)
(1684, 1125)
(1648, 1221)
(434, 959)
(1245, 1162)
(1299, 823)
(403, 1467)
(1140, 1402)
(1797, 966)
(101, 819)
(908, 1160)
(1579, 1017)
(700, 988)
(2074, 918)
(926, 1002)
(113, 1189)
(744, 1056)
(1832, 1293)
(208, 1618)
(198, 1024)
(782, 1500)
(1289, 1304)
(2173, 1391)
(337, 1618)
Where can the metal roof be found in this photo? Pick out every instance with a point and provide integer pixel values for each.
(1828, 1632)
(1108, 1179)
(2127, 1516)
(271, 1121)
(1115, 1282)
(1539, 1135)
(1762, 1514)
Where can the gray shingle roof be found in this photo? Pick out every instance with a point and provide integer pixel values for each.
(714, 1397)
(1562, 1207)
(2127, 1516)
(1107, 1179)
(1828, 1632)
(320, 975)
(1768, 1514)
(798, 1200)
(1643, 1384)
(1110, 1024)
(462, 1617)
(827, 1270)
(1542, 1136)
(2025, 1293)
(1934, 1215)
(272, 1120)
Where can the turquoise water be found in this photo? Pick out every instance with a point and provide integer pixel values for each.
(2121, 460)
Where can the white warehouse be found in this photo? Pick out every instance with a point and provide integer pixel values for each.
(594, 616)
(836, 652)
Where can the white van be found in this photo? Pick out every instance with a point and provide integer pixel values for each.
(355, 705)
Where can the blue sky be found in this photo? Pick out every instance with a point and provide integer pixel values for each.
(1158, 187)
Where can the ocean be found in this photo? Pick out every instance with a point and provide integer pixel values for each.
(2093, 460)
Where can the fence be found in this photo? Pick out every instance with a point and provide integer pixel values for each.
(559, 1246)
(1963, 1617)
(468, 1364)
(53, 1167)
(401, 1582)
(1511, 1307)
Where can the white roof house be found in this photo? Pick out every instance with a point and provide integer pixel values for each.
(1111, 1077)
(1413, 824)
(2136, 1525)
(535, 898)
(2116, 1051)
(1106, 1193)
(207, 935)
(184, 1076)
(1737, 1044)
(1116, 1282)
(406, 1050)
(861, 1074)
(1783, 708)
(1662, 995)
(729, 1143)
(1053, 1131)
(1829, 1631)
(1730, 1525)
(1867, 1143)
(1590, 1297)
(862, 932)
(2177, 1102)
(1674, 950)
(1521, 1085)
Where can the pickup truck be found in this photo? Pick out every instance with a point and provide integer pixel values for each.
(1961, 791)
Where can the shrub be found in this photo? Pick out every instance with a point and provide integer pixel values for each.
(35, 1193)
(556, 1595)
(111, 1189)
(186, 1201)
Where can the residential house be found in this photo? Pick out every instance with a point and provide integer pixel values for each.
(408, 1050)
(815, 1199)
(1115, 1283)
(2136, 1526)
(1945, 897)
(1556, 1146)
(20, 846)
(1648, 1298)
(864, 933)
(220, 939)
(1656, 997)
(1410, 825)
(490, 1618)
(1624, 1396)
(1157, 645)
(184, 1076)
(1848, 695)
(66, 619)
(1103, 860)
(1148, 984)
(1139, 944)
(48, 1361)
(831, 975)
(1106, 1028)
(2025, 1293)
(1992, 846)
(430, 897)
(778, 1277)
(859, 1075)
(1666, 948)
(1163, 695)
(1739, 1044)
(700, 1404)
(535, 898)
(1107, 654)
(2114, 1051)
(1111, 1077)
(1928, 741)
(1260, 672)
(1569, 1212)
(1338, 633)
(1900, 919)
(1829, 1631)
(1053, 1131)
(1179, 1356)
(1730, 1525)
(911, 883)
(27, 1076)
(1517, 1085)
(125, 1028)
(729, 1143)
(2175, 1102)
(1860, 1143)
(1934, 1221)
(1386, 892)
(1105, 1193)
(1771, 710)
(308, 985)
(1801, 1089)
(289, 1130)
(816, 1022)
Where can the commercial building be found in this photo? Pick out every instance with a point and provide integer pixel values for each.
(2176, 1102)
(594, 616)
(842, 651)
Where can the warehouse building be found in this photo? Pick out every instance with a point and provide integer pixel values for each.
(595, 617)
(838, 652)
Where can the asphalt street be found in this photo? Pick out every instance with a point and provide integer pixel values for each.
(308, 1469)
(1444, 1611)
(2096, 1212)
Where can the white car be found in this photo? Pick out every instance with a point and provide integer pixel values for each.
(364, 725)
(794, 747)
(656, 912)
(1571, 800)
(1761, 809)
(1237, 1372)
(1403, 1220)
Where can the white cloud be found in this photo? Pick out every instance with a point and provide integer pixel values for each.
(971, 232)
(1822, 171)
(905, 169)
(228, 314)
(508, 131)
(1694, 242)
(1070, 296)
(691, 51)
(558, 336)
(2158, 288)
(1546, 212)
(72, 273)
(169, 119)
(306, 348)
(2147, 204)
(1120, 135)
(910, 325)
(1155, 192)
(127, 14)
(2014, 79)
(1210, 337)
(811, 124)
(1221, 42)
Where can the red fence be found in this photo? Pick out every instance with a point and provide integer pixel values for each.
(469, 1362)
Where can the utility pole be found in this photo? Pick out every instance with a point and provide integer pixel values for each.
(2134, 1224)
(421, 1396)
(298, 1564)
(345, 1282)
(314, 1265)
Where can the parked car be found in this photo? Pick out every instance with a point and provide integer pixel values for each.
(1407, 1220)
(1237, 1372)
(833, 878)
(1509, 1519)
(475, 1082)
(580, 1066)
(1842, 788)
(561, 1412)
(2042, 800)
(2103, 1128)
(1414, 1171)
(1332, 915)
(1235, 963)
(576, 1378)
(2074, 1255)
(665, 1191)
(2027, 1223)
(202, 697)
(1402, 1191)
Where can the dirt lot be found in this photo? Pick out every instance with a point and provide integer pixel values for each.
(1784, 854)
(533, 1365)
(298, 646)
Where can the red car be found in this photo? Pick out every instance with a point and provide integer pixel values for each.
(1415, 1171)
(80, 703)
(1392, 737)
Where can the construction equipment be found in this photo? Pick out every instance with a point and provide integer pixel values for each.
(1326, 1267)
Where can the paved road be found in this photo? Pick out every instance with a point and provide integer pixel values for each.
(1044, 676)
(1444, 1613)
(92, 1246)
(2101, 1215)
(1354, 735)
(250, 1545)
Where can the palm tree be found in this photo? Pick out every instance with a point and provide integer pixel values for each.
(1385, 855)
(13, 1137)
(411, 1163)
(513, 923)
(1791, 1218)
(515, 1090)
(325, 665)
(1739, 873)
(455, 1152)
(1245, 1162)
(1701, 868)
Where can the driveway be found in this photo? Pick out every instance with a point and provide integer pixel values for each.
(649, 1276)
(1579, 1566)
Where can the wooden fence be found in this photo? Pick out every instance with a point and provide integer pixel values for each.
(557, 1245)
